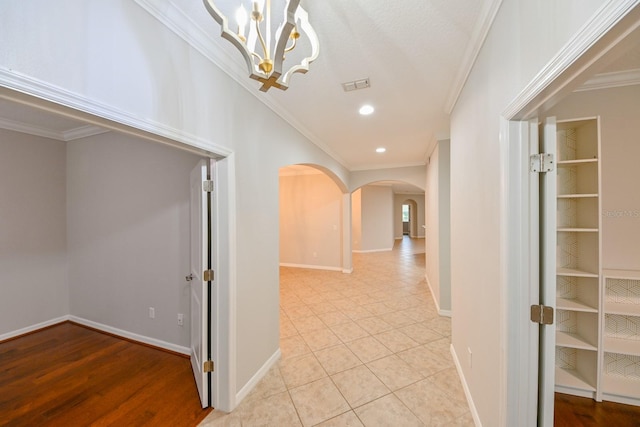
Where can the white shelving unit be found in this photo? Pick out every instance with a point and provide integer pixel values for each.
(621, 360)
(578, 298)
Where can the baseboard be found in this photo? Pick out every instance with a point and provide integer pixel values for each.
(312, 267)
(465, 387)
(250, 385)
(441, 312)
(347, 270)
(372, 250)
(33, 328)
(131, 336)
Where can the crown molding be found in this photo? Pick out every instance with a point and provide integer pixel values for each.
(573, 58)
(479, 35)
(393, 166)
(611, 80)
(214, 50)
(21, 127)
(99, 114)
(68, 135)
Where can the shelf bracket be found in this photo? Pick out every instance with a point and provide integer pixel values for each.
(542, 314)
(543, 162)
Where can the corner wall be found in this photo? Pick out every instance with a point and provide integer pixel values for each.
(33, 233)
(438, 222)
(310, 221)
(128, 234)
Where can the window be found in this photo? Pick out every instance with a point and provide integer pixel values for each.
(405, 213)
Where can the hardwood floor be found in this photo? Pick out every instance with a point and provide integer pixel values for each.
(69, 375)
(572, 411)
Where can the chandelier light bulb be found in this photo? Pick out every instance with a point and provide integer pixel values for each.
(241, 19)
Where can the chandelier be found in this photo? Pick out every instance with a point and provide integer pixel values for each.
(265, 44)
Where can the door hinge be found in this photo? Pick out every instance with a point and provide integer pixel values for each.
(208, 366)
(543, 162)
(542, 314)
(207, 186)
(208, 275)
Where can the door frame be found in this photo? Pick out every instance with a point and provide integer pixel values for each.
(599, 40)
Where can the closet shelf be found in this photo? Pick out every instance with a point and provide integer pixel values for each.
(575, 272)
(621, 274)
(574, 305)
(572, 379)
(576, 162)
(622, 346)
(566, 339)
(617, 385)
(577, 195)
(578, 230)
(622, 308)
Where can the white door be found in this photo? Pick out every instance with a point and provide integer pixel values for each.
(200, 261)
(548, 202)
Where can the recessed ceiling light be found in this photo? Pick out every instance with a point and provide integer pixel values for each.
(365, 110)
(380, 150)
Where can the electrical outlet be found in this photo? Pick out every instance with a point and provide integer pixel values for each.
(180, 319)
(152, 313)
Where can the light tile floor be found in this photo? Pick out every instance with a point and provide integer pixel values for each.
(360, 349)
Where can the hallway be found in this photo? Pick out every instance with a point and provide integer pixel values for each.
(366, 348)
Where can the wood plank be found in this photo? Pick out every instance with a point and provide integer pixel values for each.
(71, 375)
(573, 411)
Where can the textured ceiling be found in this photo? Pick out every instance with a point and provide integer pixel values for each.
(412, 51)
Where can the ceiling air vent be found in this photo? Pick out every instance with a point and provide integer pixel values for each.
(356, 84)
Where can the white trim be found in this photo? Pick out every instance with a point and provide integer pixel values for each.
(555, 76)
(131, 335)
(465, 387)
(347, 270)
(371, 251)
(227, 308)
(445, 313)
(101, 327)
(103, 115)
(255, 379)
(70, 135)
(312, 267)
(611, 80)
(32, 328)
(476, 41)
(83, 132)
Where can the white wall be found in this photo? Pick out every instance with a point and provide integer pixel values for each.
(438, 222)
(356, 220)
(310, 221)
(524, 37)
(33, 242)
(418, 214)
(376, 218)
(619, 110)
(128, 234)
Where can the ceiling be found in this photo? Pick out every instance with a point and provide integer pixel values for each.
(415, 53)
